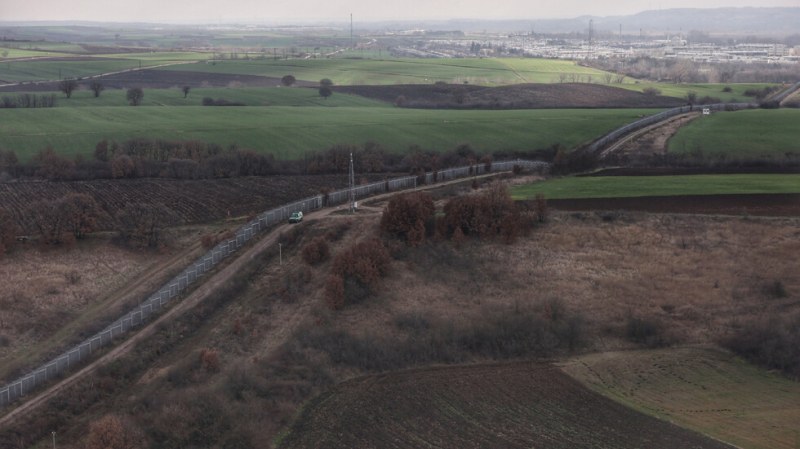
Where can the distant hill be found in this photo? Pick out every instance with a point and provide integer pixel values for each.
(729, 21)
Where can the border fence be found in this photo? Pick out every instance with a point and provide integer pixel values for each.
(618, 133)
(785, 94)
(205, 263)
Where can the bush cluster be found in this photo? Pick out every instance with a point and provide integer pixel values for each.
(484, 215)
(773, 342)
(355, 273)
(208, 101)
(409, 217)
(504, 334)
(316, 251)
(28, 101)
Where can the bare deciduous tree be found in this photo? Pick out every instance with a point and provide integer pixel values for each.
(96, 87)
(141, 225)
(135, 96)
(68, 86)
(82, 213)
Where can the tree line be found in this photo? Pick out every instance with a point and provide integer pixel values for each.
(28, 101)
(686, 71)
(157, 158)
(66, 220)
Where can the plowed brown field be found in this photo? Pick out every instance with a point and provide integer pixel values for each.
(512, 405)
(769, 205)
(197, 201)
(518, 96)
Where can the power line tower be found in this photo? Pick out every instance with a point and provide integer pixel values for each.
(351, 194)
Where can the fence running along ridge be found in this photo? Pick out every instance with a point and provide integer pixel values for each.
(178, 284)
(618, 133)
(785, 94)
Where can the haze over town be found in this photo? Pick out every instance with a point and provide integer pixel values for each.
(181, 11)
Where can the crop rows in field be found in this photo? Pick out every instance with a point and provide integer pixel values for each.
(193, 201)
(701, 388)
(517, 405)
(290, 133)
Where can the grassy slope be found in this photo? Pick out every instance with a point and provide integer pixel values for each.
(744, 134)
(633, 186)
(51, 70)
(14, 71)
(289, 132)
(397, 71)
(702, 90)
(702, 389)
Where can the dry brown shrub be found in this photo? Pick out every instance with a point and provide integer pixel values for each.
(541, 208)
(316, 251)
(367, 261)
(334, 292)
(208, 240)
(484, 215)
(209, 359)
(115, 432)
(406, 216)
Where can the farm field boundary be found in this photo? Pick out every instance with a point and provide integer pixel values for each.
(704, 389)
(638, 186)
(150, 307)
(768, 205)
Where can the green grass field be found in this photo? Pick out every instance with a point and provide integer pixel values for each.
(494, 71)
(634, 186)
(736, 95)
(757, 133)
(290, 132)
(52, 70)
(706, 390)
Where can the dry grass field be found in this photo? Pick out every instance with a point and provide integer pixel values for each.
(54, 296)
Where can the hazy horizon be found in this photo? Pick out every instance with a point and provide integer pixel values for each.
(186, 11)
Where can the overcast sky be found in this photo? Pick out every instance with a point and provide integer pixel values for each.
(339, 10)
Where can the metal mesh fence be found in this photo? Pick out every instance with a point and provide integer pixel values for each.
(618, 133)
(205, 263)
(785, 94)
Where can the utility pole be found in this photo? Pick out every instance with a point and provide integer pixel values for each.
(591, 35)
(351, 31)
(351, 194)
(54, 439)
(280, 253)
